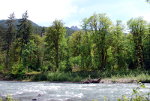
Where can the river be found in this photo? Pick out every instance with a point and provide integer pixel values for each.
(45, 91)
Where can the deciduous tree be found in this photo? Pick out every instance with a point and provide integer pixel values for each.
(54, 40)
(137, 28)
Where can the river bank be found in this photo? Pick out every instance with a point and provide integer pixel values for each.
(78, 77)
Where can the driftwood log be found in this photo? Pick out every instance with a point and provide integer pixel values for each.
(92, 81)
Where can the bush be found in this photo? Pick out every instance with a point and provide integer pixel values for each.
(137, 95)
(18, 69)
(58, 76)
(1, 68)
(8, 98)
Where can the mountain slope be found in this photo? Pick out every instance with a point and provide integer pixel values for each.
(38, 29)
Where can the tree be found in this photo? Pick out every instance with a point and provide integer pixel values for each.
(67, 56)
(118, 46)
(24, 29)
(99, 25)
(1, 44)
(86, 47)
(37, 52)
(23, 34)
(75, 44)
(31, 56)
(146, 50)
(1, 37)
(54, 39)
(42, 31)
(137, 28)
(80, 47)
(9, 38)
(148, 1)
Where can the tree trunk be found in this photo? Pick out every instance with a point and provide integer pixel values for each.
(7, 60)
(57, 56)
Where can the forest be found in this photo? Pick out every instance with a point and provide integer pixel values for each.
(102, 48)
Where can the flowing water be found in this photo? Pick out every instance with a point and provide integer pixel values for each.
(45, 91)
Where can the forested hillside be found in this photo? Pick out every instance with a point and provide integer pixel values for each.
(36, 29)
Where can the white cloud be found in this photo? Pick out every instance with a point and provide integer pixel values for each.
(119, 10)
(43, 12)
(39, 10)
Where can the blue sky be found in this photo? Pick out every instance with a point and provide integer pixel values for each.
(44, 12)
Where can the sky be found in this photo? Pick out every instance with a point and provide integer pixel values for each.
(71, 12)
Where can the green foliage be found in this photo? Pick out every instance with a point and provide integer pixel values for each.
(100, 25)
(8, 98)
(54, 44)
(58, 77)
(146, 48)
(100, 49)
(76, 61)
(18, 69)
(138, 28)
(30, 56)
(117, 52)
(137, 95)
(8, 39)
(144, 77)
(24, 30)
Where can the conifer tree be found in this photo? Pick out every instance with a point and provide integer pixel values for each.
(9, 38)
(23, 35)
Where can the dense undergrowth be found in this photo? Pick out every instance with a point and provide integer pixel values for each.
(82, 75)
(138, 75)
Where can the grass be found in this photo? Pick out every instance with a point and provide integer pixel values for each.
(57, 76)
(137, 75)
(127, 76)
(145, 78)
(140, 77)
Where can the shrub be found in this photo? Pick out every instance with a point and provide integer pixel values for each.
(137, 95)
